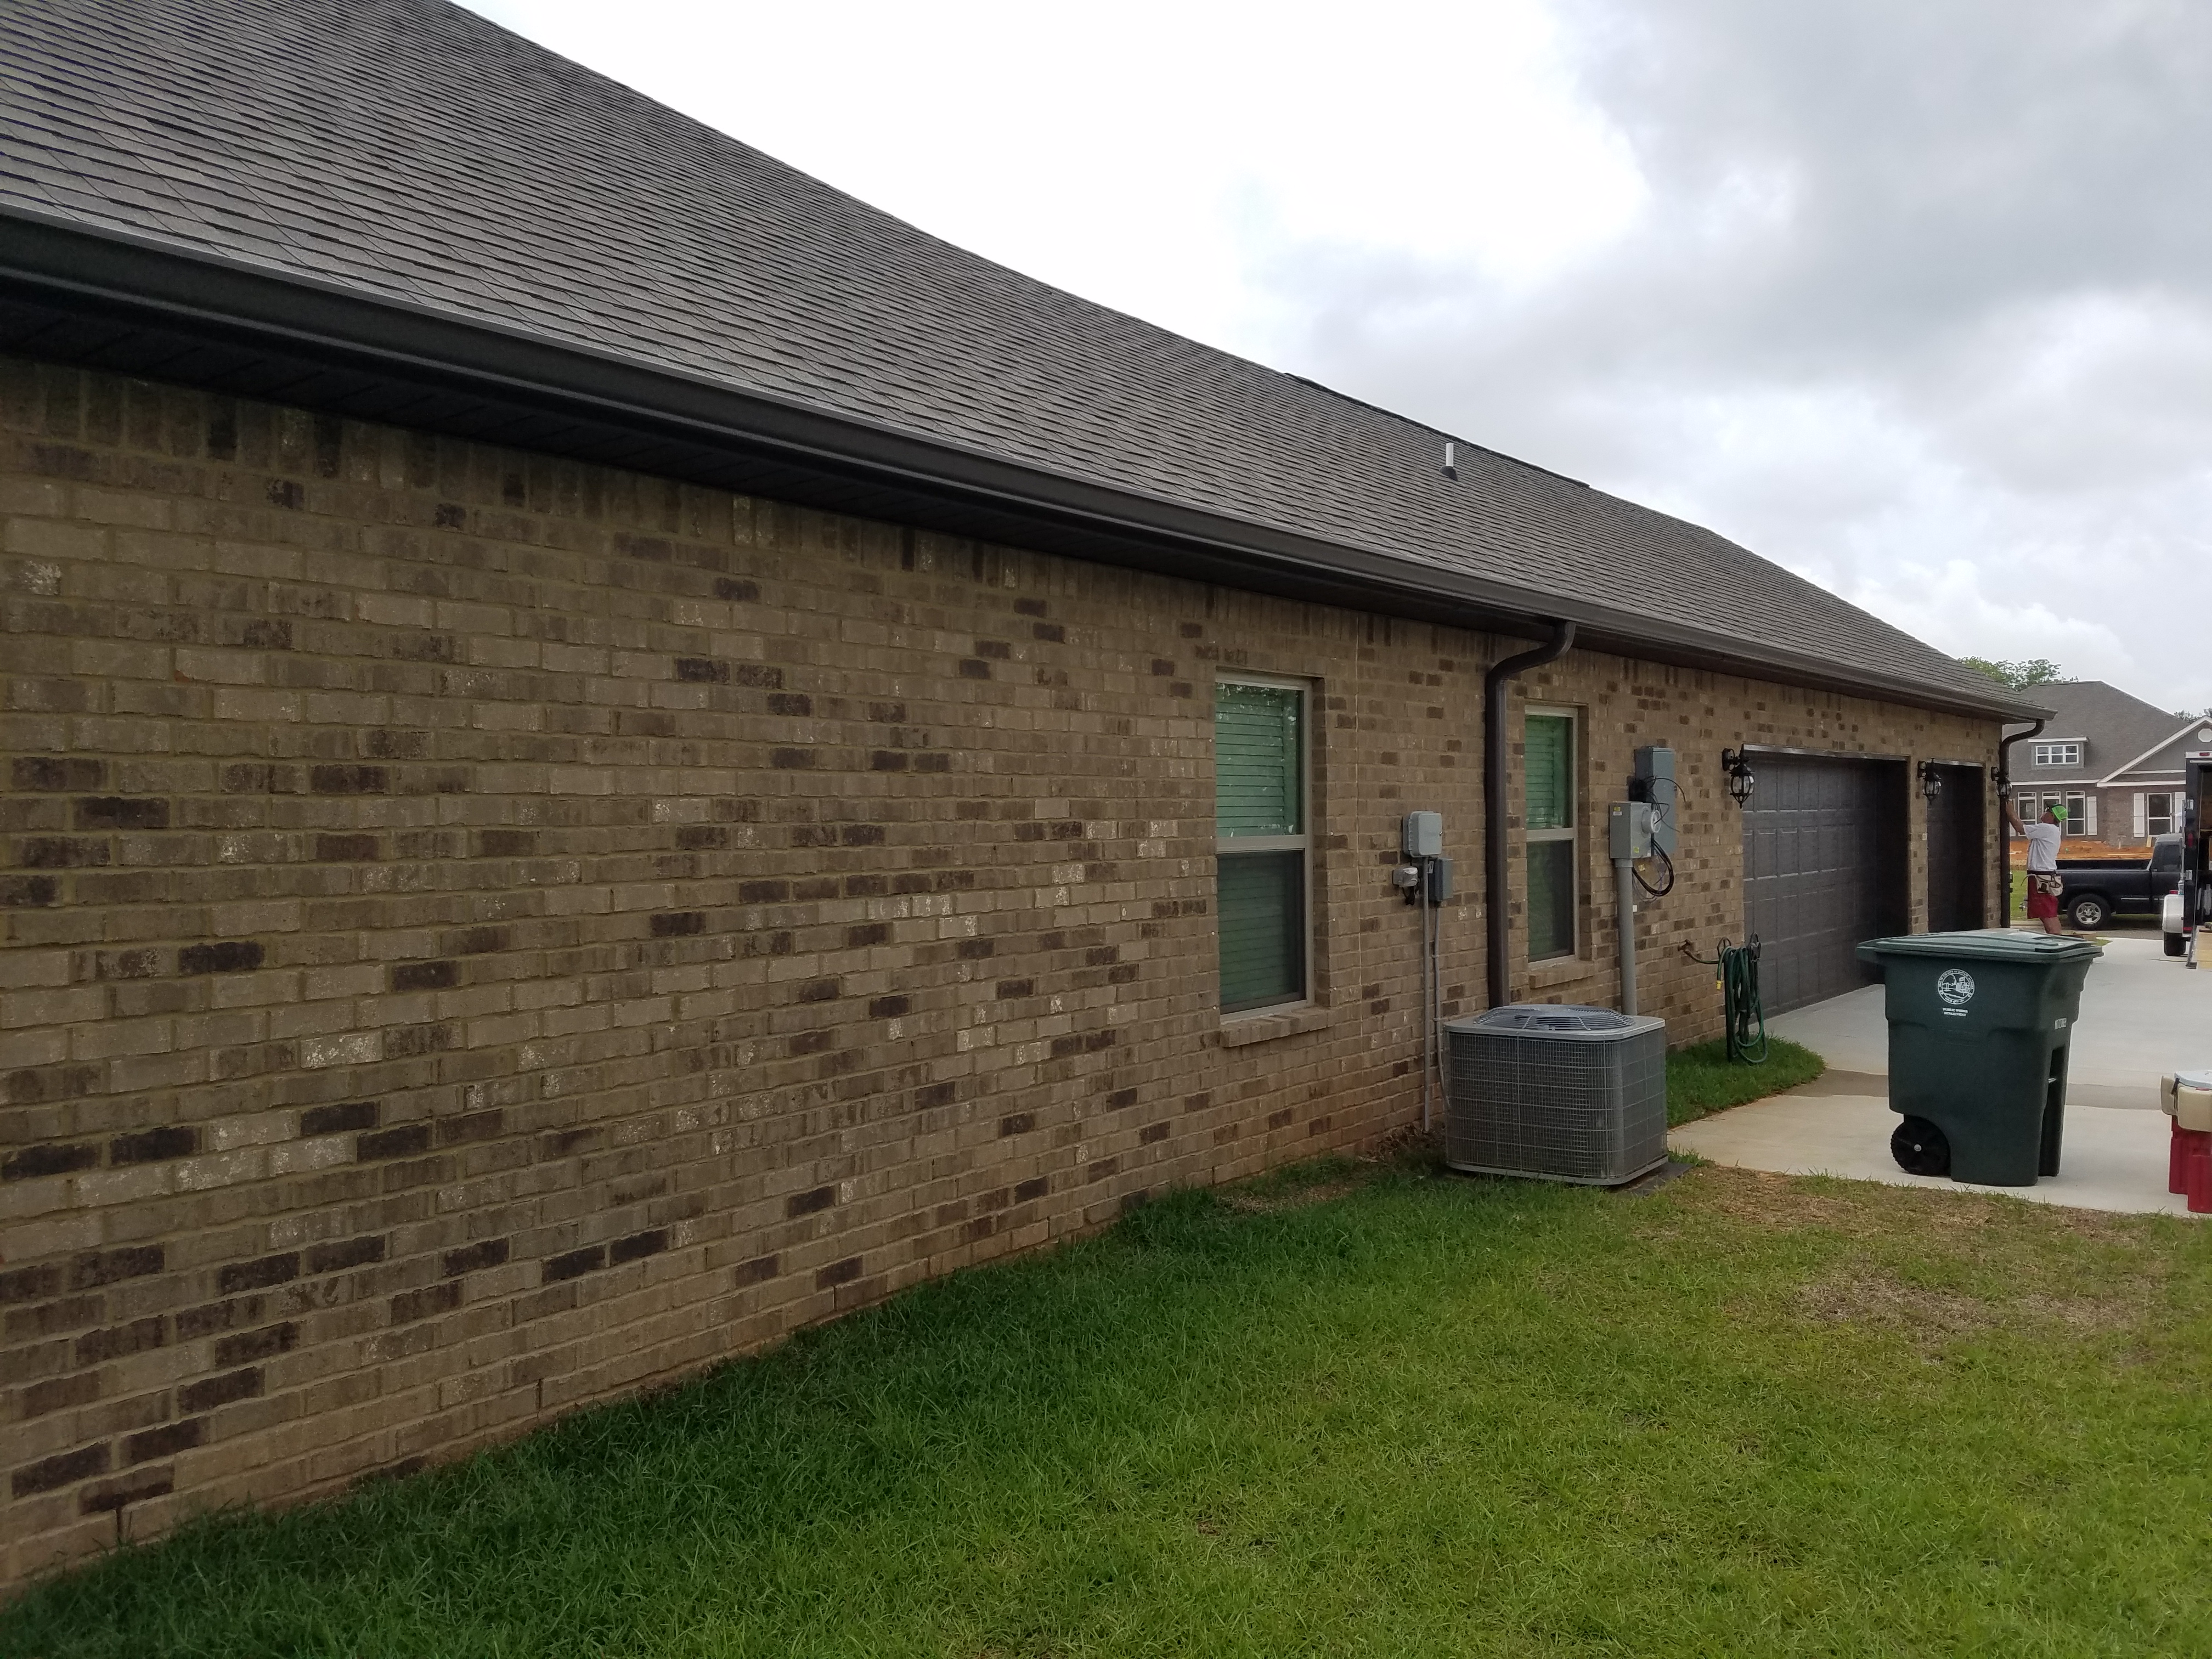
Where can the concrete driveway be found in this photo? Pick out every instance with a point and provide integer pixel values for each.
(2143, 1015)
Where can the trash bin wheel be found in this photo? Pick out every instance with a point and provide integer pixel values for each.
(2177, 944)
(2089, 912)
(1920, 1148)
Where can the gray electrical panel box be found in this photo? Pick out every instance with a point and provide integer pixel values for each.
(1422, 835)
(1653, 785)
(1631, 830)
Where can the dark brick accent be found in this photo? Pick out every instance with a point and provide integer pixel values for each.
(28, 892)
(861, 834)
(60, 1393)
(888, 759)
(485, 1253)
(791, 760)
(60, 853)
(410, 1305)
(1017, 1123)
(114, 1494)
(701, 837)
(346, 849)
(477, 941)
(1151, 1133)
(334, 1119)
(757, 1271)
(637, 1246)
(711, 670)
(1119, 1098)
(935, 1094)
(573, 1264)
(1030, 1190)
(974, 950)
(975, 668)
(51, 1474)
(818, 990)
(340, 1253)
(98, 1267)
(1008, 990)
(1280, 1120)
(764, 892)
(349, 781)
(795, 703)
(507, 843)
(810, 1202)
(53, 1317)
(212, 1316)
(153, 1145)
(868, 932)
(888, 1007)
(425, 975)
(674, 924)
(404, 1142)
(249, 1346)
(51, 775)
(259, 1273)
(117, 812)
(33, 1162)
(759, 676)
(1101, 1170)
(285, 493)
(1050, 632)
(166, 1441)
(471, 1126)
(206, 1394)
(97, 1347)
(30, 1283)
(838, 1272)
(229, 956)
(731, 587)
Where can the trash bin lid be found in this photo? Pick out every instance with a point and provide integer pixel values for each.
(1985, 944)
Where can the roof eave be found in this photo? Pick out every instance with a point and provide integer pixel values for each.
(155, 284)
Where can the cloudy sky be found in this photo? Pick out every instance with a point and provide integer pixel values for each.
(1914, 296)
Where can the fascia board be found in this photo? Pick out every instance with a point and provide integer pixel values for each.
(2156, 749)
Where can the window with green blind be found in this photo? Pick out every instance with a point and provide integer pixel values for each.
(1548, 813)
(1260, 843)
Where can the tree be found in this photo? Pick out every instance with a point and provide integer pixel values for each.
(2036, 670)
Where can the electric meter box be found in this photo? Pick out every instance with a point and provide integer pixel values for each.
(1423, 836)
(1631, 824)
(1653, 784)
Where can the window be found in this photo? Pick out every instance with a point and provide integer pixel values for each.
(1260, 843)
(1548, 740)
(2158, 815)
(2059, 754)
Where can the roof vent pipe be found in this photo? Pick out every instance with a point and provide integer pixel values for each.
(1495, 685)
(1451, 460)
(2005, 828)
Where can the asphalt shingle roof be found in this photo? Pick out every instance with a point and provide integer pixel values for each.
(2118, 727)
(411, 151)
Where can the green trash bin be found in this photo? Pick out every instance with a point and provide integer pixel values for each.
(1979, 1025)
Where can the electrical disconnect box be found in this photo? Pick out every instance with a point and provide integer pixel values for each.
(1652, 785)
(1631, 824)
(1422, 835)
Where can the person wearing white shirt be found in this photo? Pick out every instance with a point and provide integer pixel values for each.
(2044, 884)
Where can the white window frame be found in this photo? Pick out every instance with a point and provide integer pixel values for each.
(1572, 832)
(1301, 843)
(2151, 818)
(2059, 754)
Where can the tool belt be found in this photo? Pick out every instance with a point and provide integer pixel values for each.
(2053, 885)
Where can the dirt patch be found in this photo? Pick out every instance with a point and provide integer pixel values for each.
(1296, 1198)
(1930, 1316)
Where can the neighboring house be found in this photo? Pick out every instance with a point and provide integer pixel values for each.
(2113, 761)
(610, 752)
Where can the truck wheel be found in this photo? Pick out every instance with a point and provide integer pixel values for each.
(2177, 944)
(2089, 912)
(1920, 1148)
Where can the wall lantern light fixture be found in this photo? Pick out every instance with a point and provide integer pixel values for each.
(1740, 780)
(1931, 779)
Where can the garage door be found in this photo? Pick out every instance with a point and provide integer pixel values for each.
(1958, 857)
(1817, 836)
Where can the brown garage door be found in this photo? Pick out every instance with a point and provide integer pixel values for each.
(1820, 838)
(1958, 859)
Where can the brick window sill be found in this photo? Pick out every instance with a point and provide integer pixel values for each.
(1238, 1029)
(1557, 971)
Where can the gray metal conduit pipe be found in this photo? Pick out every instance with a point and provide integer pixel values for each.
(1495, 686)
(2004, 840)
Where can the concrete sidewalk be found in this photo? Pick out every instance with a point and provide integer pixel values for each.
(2143, 1015)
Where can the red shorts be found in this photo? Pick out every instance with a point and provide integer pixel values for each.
(2040, 906)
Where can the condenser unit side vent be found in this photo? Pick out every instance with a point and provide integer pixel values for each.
(1556, 1092)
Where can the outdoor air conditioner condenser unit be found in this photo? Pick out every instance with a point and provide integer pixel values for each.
(1556, 1092)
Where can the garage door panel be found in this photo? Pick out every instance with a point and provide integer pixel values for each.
(1812, 844)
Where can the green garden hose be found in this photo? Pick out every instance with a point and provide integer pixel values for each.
(1737, 978)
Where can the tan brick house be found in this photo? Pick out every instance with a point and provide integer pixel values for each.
(610, 752)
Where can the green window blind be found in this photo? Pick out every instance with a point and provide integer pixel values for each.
(1262, 919)
(1550, 742)
(1258, 782)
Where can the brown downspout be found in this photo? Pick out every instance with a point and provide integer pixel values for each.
(1495, 692)
(2004, 841)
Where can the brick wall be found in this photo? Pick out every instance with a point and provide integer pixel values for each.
(483, 932)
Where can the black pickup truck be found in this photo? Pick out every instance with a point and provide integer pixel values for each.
(2096, 890)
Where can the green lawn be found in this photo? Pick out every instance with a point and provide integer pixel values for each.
(1702, 1079)
(1400, 1414)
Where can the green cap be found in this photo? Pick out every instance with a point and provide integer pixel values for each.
(2056, 812)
